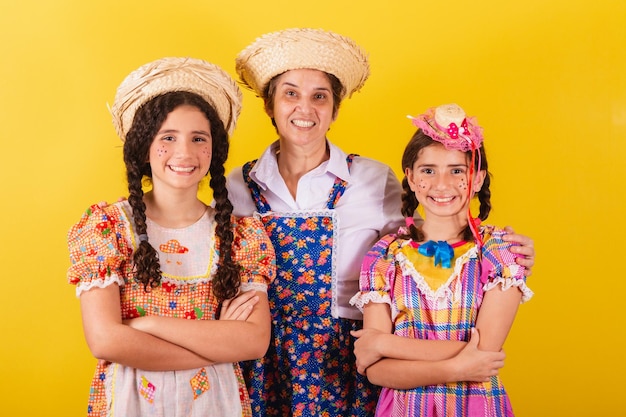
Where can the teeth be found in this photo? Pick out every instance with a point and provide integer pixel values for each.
(303, 123)
(181, 169)
(443, 200)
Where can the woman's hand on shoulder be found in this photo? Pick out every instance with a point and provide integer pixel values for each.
(524, 248)
(103, 204)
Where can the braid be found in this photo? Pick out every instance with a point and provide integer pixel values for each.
(484, 194)
(409, 201)
(227, 280)
(409, 205)
(136, 148)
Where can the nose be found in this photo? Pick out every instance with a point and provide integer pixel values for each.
(441, 182)
(183, 148)
(304, 105)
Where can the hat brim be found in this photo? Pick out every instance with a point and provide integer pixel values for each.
(176, 74)
(275, 53)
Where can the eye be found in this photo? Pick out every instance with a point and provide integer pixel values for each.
(458, 171)
(320, 96)
(290, 93)
(168, 138)
(200, 139)
(427, 171)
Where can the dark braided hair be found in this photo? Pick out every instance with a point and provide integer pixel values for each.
(146, 124)
(418, 142)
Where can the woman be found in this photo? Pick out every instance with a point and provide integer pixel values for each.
(323, 209)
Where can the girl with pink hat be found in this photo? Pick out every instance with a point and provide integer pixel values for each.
(432, 293)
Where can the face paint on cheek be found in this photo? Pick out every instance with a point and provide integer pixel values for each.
(463, 185)
(161, 151)
(422, 184)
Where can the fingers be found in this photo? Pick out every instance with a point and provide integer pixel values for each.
(474, 338)
(103, 204)
(526, 256)
(526, 250)
(356, 333)
(522, 240)
(240, 307)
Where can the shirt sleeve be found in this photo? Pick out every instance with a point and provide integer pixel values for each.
(99, 254)
(499, 266)
(378, 273)
(392, 205)
(239, 194)
(254, 253)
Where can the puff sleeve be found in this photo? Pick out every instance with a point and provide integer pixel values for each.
(499, 266)
(254, 253)
(99, 253)
(378, 273)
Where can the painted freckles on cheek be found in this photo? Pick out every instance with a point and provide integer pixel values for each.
(161, 151)
(463, 185)
(422, 185)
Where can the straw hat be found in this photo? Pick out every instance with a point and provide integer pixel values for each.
(277, 52)
(176, 74)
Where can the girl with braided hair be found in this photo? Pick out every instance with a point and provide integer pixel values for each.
(172, 292)
(428, 292)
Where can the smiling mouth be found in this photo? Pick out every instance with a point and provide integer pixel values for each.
(303, 123)
(442, 199)
(181, 169)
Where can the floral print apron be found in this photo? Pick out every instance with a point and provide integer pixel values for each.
(309, 368)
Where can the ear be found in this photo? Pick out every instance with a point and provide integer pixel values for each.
(408, 173)
(479, 179)
(269, 111)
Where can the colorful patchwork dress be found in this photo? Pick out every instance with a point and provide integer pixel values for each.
(101, 246)
(431, 302)
(309, 369)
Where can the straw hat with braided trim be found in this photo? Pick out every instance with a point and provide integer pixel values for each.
(277, 52)
(176, 74)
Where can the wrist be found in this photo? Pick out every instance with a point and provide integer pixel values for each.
(451, 370)
(383, 345)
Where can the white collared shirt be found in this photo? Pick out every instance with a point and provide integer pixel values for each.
(368, 209)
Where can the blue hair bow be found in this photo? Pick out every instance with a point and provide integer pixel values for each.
(441, 250)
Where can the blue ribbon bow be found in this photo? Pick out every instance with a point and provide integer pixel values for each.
(441, 250)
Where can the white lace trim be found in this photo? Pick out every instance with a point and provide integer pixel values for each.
(507, 283)
(99, 283)
(444, 292)
(361, 298)
(253, 286)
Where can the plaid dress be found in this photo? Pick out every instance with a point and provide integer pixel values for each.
(429, 302)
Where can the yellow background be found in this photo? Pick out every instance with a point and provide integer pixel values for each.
(546, 79)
